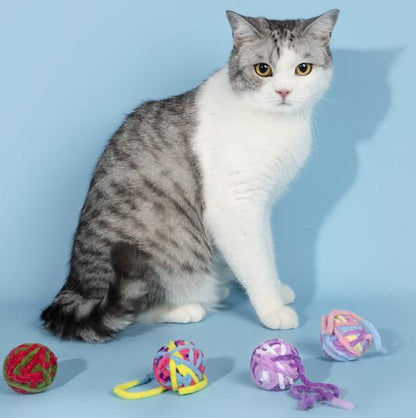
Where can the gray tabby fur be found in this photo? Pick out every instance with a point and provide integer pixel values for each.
(141, 236)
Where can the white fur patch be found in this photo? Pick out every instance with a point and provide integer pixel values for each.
(204, 289)
(248, 156)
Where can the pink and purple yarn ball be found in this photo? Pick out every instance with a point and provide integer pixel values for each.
(175, 354)
(346, 336)
(275, 365)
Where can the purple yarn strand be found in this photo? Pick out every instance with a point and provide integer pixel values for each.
(310, 392)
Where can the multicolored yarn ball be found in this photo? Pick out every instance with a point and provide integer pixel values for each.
(30, 368)
(276, 365)
(178, 366)
(346, 336)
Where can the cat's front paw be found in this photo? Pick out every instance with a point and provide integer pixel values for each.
(287, 293)
(281, 318)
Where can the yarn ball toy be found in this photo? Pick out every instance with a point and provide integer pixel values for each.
(30, 368)
(346, 336)
(178, 366)
(275, 365)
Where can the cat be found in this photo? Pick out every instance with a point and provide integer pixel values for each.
(192, 174)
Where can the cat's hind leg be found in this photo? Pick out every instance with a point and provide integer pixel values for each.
(188, 298)
(184, 314)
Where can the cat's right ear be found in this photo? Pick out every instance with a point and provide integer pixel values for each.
(243, 30)
(320, 27)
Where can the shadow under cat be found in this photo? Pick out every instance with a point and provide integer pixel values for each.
(353, 109)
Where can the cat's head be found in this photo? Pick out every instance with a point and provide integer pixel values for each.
(281, 65)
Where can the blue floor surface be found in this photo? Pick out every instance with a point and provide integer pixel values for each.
(380, 386)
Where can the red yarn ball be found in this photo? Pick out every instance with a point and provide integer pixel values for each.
(30, 368)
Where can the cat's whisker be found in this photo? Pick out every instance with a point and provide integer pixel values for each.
(329, 99)
(338, 84)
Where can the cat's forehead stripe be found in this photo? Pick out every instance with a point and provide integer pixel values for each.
(287, 34)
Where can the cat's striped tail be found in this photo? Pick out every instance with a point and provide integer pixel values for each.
(73, 316)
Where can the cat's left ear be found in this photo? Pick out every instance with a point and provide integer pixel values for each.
(321, 27)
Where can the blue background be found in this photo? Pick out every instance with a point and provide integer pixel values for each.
(344, 233)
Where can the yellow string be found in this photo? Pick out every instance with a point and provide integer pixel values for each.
(173, 380)
(184, 370)
(121, 391)
(171, 345)
(194, 388)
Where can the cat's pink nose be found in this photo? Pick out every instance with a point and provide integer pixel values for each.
(283, 93)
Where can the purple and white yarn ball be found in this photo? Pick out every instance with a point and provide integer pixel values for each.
(276, 365)
(268, 370)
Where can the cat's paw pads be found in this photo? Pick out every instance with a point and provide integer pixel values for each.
(287, 293)
(281, 318)
(192, 312)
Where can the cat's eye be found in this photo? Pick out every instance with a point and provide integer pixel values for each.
(263, 69)
(303, 69)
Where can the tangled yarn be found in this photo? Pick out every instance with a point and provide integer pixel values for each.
(276, 365)
(346, 336)
(30, 368)
(178, 366)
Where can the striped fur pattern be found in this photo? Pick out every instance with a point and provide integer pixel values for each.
(140, 228)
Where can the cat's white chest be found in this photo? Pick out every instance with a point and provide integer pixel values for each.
(243, 152)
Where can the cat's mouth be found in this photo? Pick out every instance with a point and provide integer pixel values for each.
(284, 104)
(285, 107)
